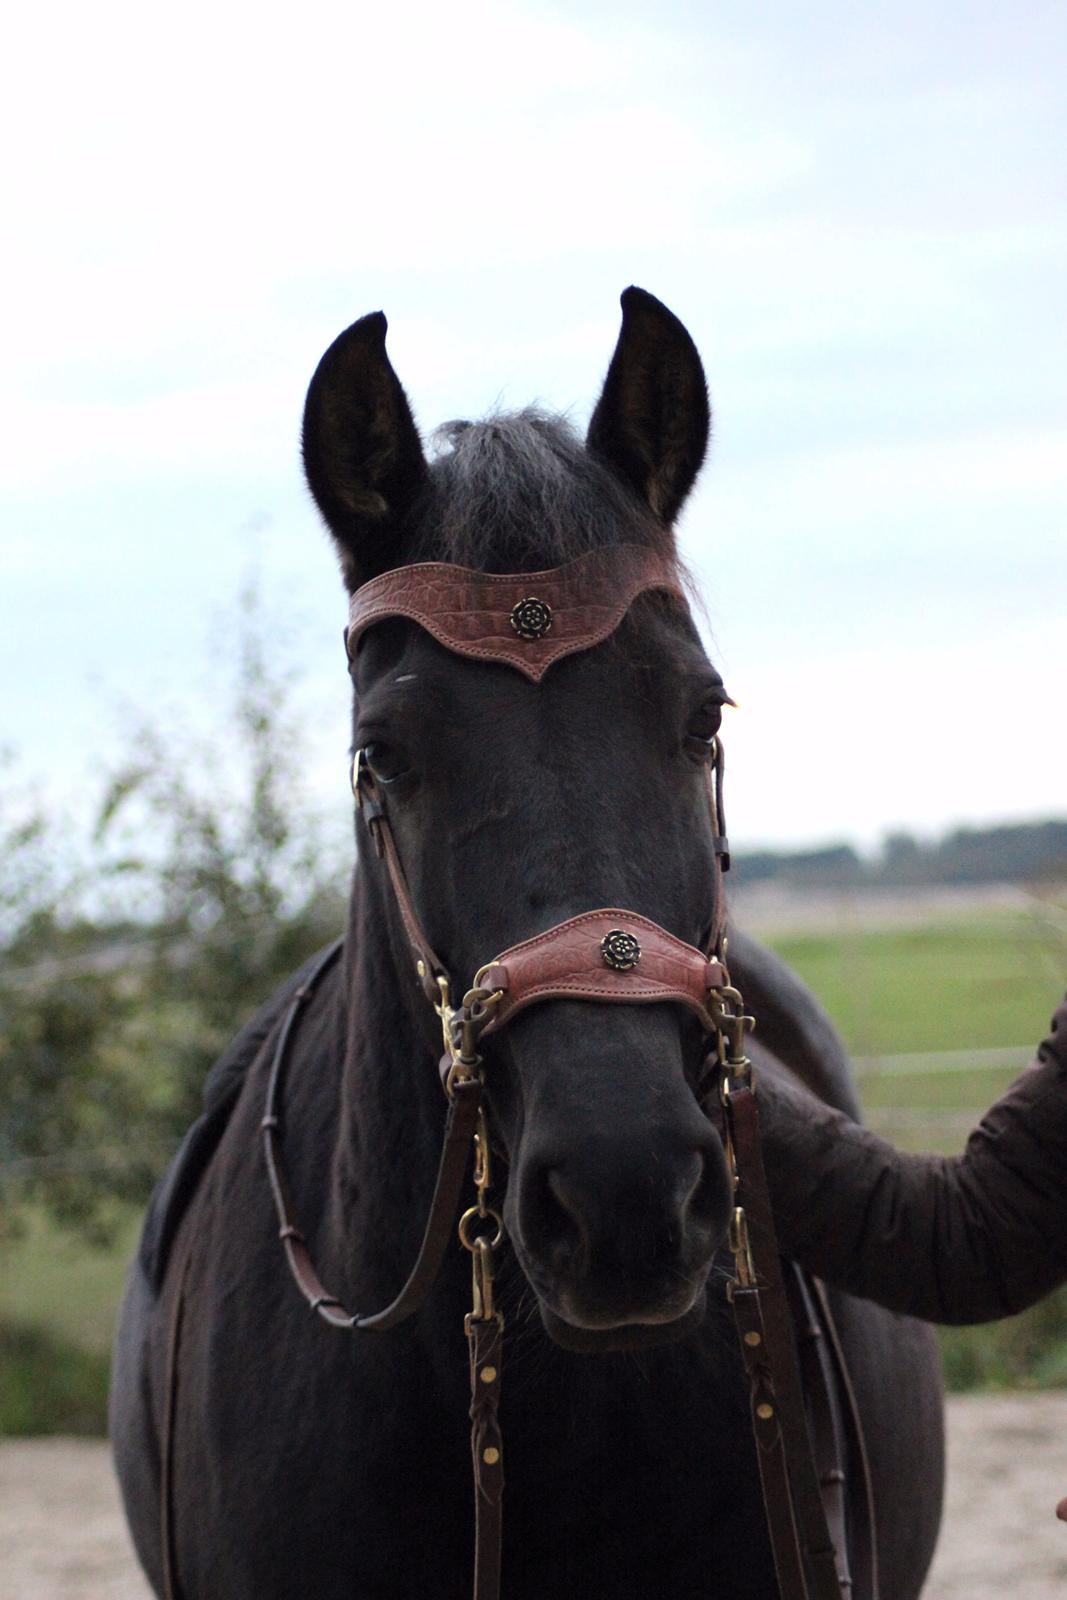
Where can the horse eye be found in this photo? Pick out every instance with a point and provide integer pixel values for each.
(705, 725)
(385, 761)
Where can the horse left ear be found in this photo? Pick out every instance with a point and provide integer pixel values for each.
(362, 453)
(652, 420)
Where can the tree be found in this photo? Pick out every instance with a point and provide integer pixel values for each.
(208, 879)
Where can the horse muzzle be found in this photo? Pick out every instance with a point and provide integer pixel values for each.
(618, 1193)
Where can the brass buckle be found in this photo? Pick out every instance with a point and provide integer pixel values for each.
(491, 1234)
(726, 1007)
(741, 1248)
(356, 775)
(462, 1027)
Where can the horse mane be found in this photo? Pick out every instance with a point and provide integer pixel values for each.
(519, 492)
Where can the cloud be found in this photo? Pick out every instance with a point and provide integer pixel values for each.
(858, 214)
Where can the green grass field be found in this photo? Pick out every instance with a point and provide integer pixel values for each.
(949, 986)
(956, 986)
(945, 986)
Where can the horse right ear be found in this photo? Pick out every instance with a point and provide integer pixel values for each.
(652, 420)
(362, 453)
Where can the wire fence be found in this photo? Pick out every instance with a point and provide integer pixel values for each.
(884, 1119)
(932, 1063)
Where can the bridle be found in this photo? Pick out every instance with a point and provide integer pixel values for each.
(610, 955)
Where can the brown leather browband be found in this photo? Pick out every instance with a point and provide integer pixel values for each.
(525, 620)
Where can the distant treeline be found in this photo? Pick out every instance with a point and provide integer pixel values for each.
(1024, 851)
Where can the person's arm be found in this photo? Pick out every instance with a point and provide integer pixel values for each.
(950, 1239)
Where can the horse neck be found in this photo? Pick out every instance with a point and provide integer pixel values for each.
(392, 1108)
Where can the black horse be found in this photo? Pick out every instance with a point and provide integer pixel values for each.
(307, 1461)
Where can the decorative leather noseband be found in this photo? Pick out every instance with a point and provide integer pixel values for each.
(609, 955)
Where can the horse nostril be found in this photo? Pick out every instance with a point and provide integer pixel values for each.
(562, 1215)
(709, 1199)
(552, 1221)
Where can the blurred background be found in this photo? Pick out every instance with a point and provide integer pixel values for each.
(858, 212)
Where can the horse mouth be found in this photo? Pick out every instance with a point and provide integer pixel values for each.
(629, 1335)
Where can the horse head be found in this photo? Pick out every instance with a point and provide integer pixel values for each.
(517, 803)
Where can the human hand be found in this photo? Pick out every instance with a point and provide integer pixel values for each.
(1061, 1510)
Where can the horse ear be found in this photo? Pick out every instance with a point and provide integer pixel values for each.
(362, 453)
(652, 420)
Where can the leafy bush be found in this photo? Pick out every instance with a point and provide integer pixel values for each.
(49, 1384)
(1024, 1352)
(206, 881)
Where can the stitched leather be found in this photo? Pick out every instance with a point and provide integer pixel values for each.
(440, 1224)
(804, 1555)
(567, 962)
(470, 612)
(487, 1450)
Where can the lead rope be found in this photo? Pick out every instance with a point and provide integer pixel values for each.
(481, 1231)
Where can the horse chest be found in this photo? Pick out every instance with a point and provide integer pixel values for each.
(623, 1476)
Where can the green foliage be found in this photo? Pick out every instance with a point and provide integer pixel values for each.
(58, 1296)
(947, 985)
(52, 1275)
(1024, 1352)
(209, 881)
(50, 1385)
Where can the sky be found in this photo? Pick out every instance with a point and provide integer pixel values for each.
(857, 211)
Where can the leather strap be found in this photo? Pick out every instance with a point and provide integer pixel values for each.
(720, 844)
(822, 1409)
(428, 963)
(524, 620)
(438, 1235)
(171, 1587)
(748, 1307)
(804, 1554)
(575, 960)
(865, 1529)
(486, 1341)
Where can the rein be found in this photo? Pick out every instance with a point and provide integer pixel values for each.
(612, 956)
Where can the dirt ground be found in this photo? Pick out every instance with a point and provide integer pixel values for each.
(62, 1535)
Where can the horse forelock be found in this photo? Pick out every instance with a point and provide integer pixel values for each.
(519, 492)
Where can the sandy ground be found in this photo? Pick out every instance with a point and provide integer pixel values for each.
(62, 1536)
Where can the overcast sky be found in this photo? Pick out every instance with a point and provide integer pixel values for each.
(858, 212)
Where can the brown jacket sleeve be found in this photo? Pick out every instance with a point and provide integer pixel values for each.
(951, 1239)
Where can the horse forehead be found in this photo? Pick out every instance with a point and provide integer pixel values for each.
(398, 652)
